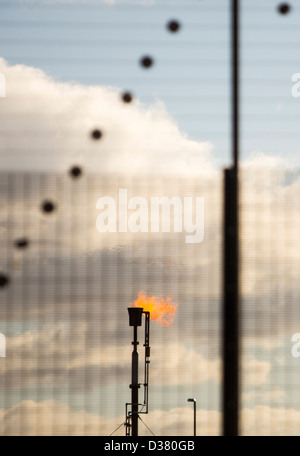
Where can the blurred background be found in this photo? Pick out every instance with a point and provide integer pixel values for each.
(136, 95)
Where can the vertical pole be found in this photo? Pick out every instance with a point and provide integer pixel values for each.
(235, 80)
(195, 414)
(134, 384)
(195, 418)
(231, 310)
(231, 256)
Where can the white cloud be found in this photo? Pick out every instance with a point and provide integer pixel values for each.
(275, 395)
(259, 160)
(269, 342)
(60, 353)
(255, 372)
(263, 420)
(46, 125)
(54, 418)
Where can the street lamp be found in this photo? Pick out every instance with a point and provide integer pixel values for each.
(195, 402)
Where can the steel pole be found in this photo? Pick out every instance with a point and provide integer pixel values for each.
(231, 336)
(135, 384)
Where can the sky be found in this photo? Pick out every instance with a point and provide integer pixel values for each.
(100, 43)
(64, 312)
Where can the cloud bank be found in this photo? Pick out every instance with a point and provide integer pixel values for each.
(47, 125)
(49, 418)
(74, 278)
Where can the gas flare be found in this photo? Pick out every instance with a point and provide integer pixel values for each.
(161, 309)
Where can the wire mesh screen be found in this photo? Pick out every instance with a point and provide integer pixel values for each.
(269, 213)
(69, 283)
(115, 127)
(100, 100)
(270, 301)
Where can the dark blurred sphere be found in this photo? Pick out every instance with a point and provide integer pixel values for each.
(75, 171)
(146, 62)
(173, 26)
(127, 97)
(96, 134)
(22, 243)
(48, 206)
(284, 8)
(4, 280)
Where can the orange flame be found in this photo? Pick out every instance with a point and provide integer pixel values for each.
(161, 310)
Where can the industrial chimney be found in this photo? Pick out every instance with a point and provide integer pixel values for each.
(132, 409)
